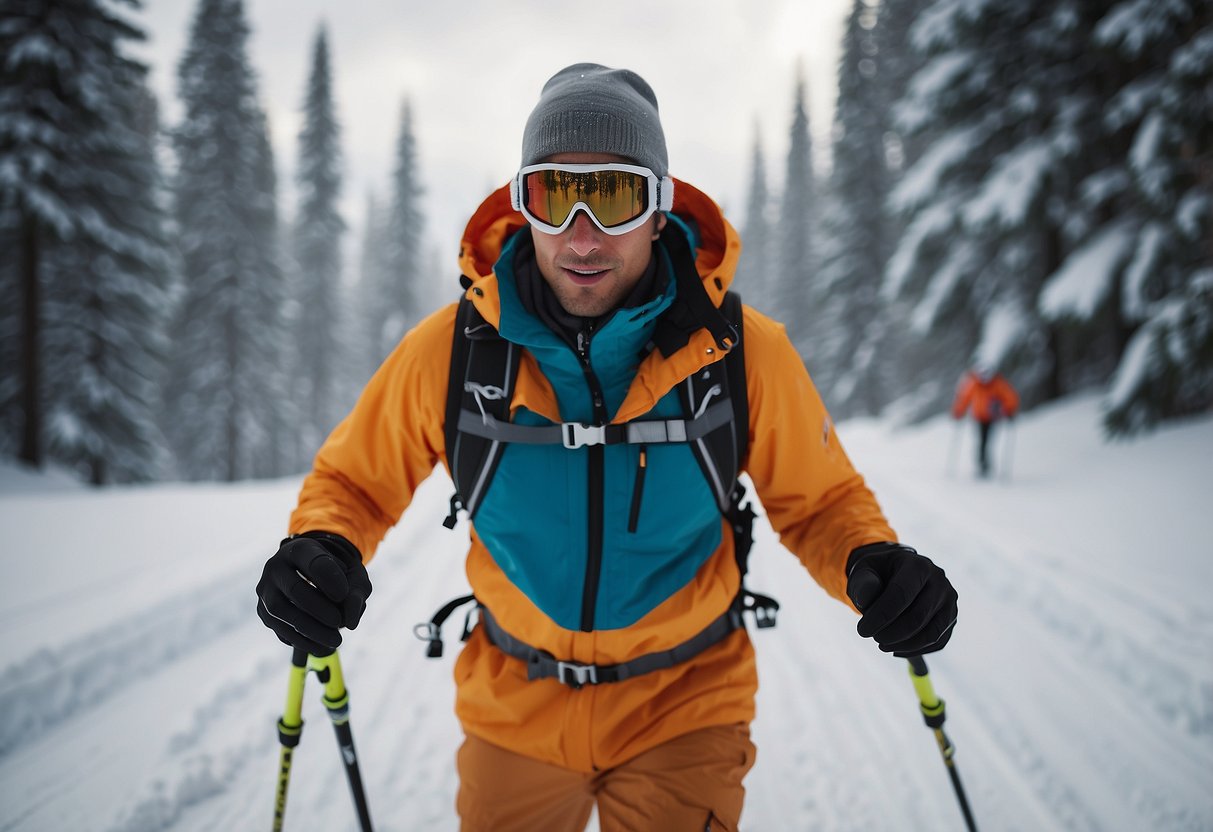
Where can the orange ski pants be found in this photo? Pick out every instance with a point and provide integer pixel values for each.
(690, 783)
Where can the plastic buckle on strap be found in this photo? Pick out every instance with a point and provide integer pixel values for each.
(576, 675)
(764, 617)
(764, 607)
(575, 434)
(428, 631)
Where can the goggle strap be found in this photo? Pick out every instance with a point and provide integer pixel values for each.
(515, 201)
(665, 194)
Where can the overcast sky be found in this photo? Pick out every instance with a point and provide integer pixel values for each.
(472, 71)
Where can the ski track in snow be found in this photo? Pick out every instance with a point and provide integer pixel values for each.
(1134, 639)
(1079, 697)
(52, 686)
(1100, 634)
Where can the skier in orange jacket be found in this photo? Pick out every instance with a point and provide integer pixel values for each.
(990, 397)
(610, 665)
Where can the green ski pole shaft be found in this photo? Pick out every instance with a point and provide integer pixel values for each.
(933, 714)
(337, 701)
(290, 729)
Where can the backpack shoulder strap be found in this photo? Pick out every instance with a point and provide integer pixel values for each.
(735, 371)
(741, 517)
(458, 369)
(721, 452)
(484, 368)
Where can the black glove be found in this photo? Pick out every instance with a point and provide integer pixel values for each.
(908, 603)
(313, 585)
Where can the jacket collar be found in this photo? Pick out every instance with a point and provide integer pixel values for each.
(626, 330)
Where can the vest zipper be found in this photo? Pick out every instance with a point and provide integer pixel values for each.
(642, 465)
(595, 489)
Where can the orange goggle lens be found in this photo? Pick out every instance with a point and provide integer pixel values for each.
(614, 196)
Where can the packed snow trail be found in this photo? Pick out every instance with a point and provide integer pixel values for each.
(140, 692)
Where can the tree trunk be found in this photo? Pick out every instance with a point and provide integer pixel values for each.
(235, 406)
(1054, 387)
(97, 472)
(31, 381)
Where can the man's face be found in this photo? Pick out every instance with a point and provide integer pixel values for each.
(592, 272)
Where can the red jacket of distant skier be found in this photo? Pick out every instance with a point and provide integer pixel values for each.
(990, 399)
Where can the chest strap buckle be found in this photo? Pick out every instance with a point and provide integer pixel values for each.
(576, 434)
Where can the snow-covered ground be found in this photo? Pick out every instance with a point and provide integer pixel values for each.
(140, 692)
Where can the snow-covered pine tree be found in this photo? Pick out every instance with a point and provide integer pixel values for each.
(796, 230)
(880, 371)
(756, 273)
(897, 61)
(1008, 103)
(1140, 271)
(400, 292)
(319, 346)
(226, 392)
(13, 375)
(852, 323)
(80, 203)
(107, 305)
(274, 405)
(373, 269)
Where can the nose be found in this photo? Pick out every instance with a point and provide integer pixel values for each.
(584, 236)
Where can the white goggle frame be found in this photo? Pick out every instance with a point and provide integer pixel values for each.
(660, 197)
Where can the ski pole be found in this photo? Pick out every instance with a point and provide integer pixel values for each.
(933, 715)
(290, 729)
(1008, 450)
(337, 700)
(950, 465)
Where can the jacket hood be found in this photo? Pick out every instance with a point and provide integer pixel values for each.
(717, 248)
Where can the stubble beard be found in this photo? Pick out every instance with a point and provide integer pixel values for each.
(593, 300)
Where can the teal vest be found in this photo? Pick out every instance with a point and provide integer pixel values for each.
(592, 537)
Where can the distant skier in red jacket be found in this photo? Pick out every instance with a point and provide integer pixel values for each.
(990, 397)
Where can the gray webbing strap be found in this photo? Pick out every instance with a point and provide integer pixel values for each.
(575, 434)
(543, 665)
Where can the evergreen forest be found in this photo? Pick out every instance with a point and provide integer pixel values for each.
(1016, 184)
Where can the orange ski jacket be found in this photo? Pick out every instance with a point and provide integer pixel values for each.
(365, 475)
(990, 400)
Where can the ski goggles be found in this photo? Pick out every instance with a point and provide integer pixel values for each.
(618, 198)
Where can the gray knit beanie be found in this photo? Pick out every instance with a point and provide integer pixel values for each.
(589, 108)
